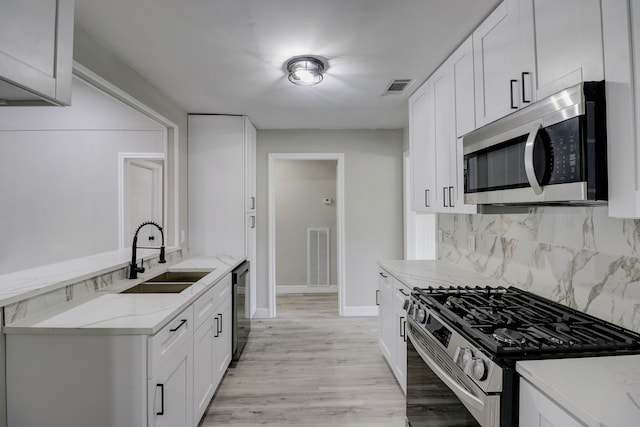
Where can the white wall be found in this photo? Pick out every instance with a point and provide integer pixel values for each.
(59, 176)
(373, 201)
(91, 54)
(301, 186)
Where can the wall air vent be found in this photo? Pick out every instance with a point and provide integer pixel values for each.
(397, 87)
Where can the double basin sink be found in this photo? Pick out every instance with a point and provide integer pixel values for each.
(171, 282)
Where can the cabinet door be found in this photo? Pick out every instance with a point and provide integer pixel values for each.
(463, 86)
(443, 124)
(216, 185)
(401, 294)
(171, 391)
(222, 340)
(537, 410)
(251, 254)
(250, 166)
(621, 24)
(36, 44)
(503, 53)
(387, 331)
(423, 154)
(568, 41)
(203, 360)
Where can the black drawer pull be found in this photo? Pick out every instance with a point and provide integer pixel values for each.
(513, 106)
(182, 322)
(161, 399)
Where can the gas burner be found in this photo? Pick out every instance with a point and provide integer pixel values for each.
(509, 336)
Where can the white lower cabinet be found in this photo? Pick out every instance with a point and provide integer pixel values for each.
(401, 293)
(211, 344)
(203, 352)
(392, 334)
(537, 410)
(386, 337)
(171, 391)
(167, 379)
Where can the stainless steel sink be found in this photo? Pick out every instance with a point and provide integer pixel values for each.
(170, 282)
(178, 277)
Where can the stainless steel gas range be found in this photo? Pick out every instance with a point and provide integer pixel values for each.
(463, 344)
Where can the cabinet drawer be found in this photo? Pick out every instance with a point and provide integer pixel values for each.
(163, 345)
(206, 304)
(385, 284)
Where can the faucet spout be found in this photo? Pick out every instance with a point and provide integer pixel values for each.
(133, 268)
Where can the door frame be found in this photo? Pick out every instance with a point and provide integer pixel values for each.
(122, 158)
(339, 158)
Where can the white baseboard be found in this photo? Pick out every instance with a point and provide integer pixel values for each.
(304, 289)
(261, 313)
(356, 311)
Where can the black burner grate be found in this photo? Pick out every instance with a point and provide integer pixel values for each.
(511, 322)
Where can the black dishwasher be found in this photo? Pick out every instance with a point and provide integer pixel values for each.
(240, 305)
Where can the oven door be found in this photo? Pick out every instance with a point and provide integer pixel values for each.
(439, 394)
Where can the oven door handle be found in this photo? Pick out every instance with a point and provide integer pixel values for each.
(529, 167)
(465, 397)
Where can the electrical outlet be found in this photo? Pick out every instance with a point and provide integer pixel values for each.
(471, 242)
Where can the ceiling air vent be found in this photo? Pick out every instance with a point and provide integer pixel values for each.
(397, 87)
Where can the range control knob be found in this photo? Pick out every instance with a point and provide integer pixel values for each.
(421, 315)
(406, 305)
(462, 356)
(476, 368)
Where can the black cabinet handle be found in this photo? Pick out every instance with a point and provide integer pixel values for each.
(511, 82)
(401, 321)
(524, 96)
(217, 327)
(377, 293)
(220, 324)
(451, 197)
(404, 331)
(161, 399)
(182, 322)
(444, 197)
(426, 198)
(403, 292)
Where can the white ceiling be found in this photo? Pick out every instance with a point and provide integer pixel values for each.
(227, 56)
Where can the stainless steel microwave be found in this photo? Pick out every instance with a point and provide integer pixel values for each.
(553, 151)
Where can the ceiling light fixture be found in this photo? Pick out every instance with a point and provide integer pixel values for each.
(305, 70)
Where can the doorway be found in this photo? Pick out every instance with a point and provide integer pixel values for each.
(306, 217)
(141, 196)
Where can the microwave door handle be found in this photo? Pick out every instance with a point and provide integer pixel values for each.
(528, 160)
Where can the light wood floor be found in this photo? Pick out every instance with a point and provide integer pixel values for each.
(309, 367)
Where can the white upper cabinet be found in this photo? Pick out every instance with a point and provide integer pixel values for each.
(530, 49)
(250, 166)
(36, 52)
(568, 43)
(423, 152)
(621, 31)
(440, 110)
(503, 56)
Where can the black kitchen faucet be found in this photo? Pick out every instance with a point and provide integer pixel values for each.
(133, 268)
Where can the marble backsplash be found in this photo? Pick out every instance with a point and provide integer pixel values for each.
(577, 256)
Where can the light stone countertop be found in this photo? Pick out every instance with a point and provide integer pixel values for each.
(423, 273)
(131, 314)
(598, 391)
(24, 284)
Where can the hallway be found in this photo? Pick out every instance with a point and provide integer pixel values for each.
(309, 367)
